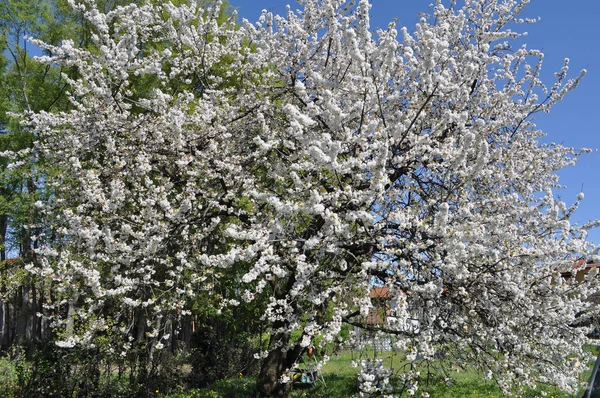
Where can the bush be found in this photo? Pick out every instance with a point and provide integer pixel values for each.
(214, 357)
(48, 370)
(51, 371)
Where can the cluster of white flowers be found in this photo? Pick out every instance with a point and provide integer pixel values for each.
(311, 157)
(374, 378)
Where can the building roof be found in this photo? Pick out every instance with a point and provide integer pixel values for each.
(380, 292)
(580, 268)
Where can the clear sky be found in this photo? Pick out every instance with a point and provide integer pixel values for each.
(566, 29)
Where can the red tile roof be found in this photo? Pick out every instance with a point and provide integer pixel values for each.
(581, 268)
(380, 292)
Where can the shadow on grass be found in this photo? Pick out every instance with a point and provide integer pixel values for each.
(465, 384)
(471, 385)
(332, 385)
(228, 388)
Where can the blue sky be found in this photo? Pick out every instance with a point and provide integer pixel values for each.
(571, 31)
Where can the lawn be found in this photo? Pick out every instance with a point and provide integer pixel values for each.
(339, 380)
(465, 385)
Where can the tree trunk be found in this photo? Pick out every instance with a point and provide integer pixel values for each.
(3, 230)
(72, 303)
(278, 361)
(280, 358)
(186, 331)
(25, 312)
(35, 320)
(4, 338)
(40, 310)
(3, 329)
(141, 329)
(26, 248)
(272, 368)
(21, 314)
(27, 241)
(12, 330)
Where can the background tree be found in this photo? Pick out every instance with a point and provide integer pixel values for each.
(29, 86)
(26, 86)
(149, 332)
(309, 157)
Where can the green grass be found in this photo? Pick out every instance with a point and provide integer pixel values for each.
(465, 385)
(473, 385)
(340, 364)
(230, 388)
(339, 381)
(333, 385)
(468, 384)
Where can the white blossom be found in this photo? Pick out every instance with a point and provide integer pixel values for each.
(312, 164)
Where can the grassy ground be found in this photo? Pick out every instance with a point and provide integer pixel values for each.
(467, 385)
(339, 381)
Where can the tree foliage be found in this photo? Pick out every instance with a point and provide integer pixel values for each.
(305, 157)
